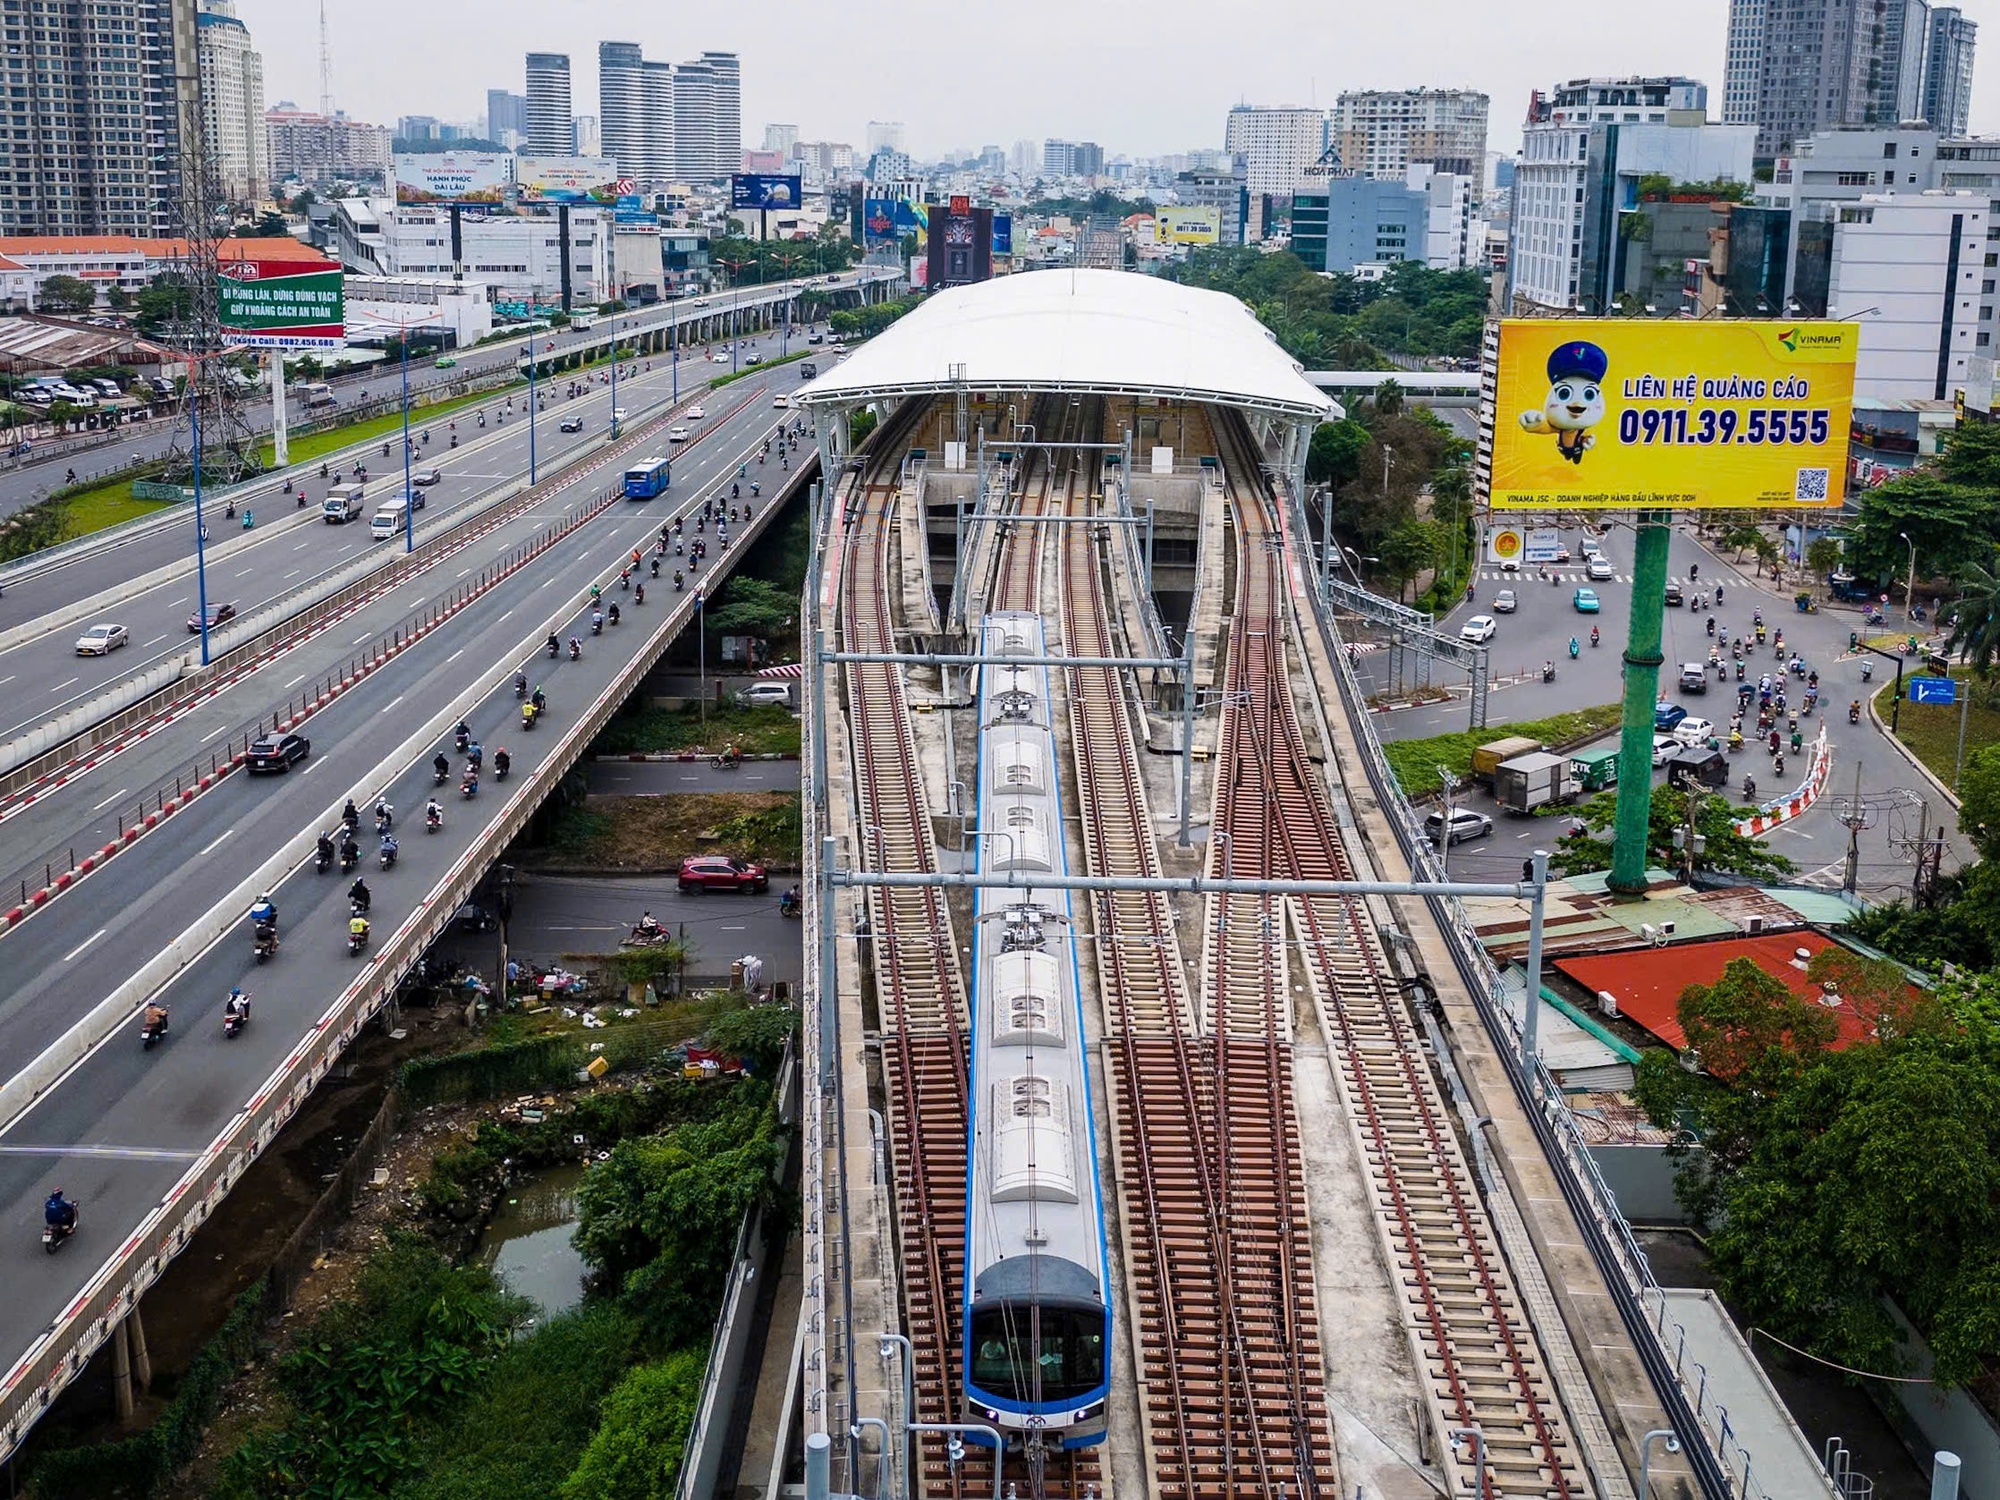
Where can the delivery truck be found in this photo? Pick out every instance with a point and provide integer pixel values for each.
(1530, 781)
(1486, 759)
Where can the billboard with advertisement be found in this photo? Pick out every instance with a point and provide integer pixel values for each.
(453, 177)
(1657, 414)
(1187, 225)
(1003, 234)
(283, 304)
(887, 219)
(566, 179)
(752, 190)
(632, 208)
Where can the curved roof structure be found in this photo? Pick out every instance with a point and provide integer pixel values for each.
(1104, 332)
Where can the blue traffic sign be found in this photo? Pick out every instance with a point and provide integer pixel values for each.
(1933, 690)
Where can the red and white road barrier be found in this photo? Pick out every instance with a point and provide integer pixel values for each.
(1787, 808)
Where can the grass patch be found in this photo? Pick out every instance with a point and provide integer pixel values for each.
(763, 730)
(1930, 731)
(1415, 762)
(656, 833)
(113, 505)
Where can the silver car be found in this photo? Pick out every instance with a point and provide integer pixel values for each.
(102, 640)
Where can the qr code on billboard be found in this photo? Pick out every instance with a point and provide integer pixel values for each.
(1811, 485)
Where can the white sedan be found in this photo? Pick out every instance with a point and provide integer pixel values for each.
(1479, 629)
(694, 413)
(1664, 745)
(102, 640)
(781, 402)
(678, 434)
(1694, 733)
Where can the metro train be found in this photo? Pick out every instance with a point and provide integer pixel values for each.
(1037, 1318)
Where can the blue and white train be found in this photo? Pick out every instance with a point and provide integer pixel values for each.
(1037, 1319)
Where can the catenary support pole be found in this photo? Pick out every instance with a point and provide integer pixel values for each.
(281, 440)
(1531, 994)
(1642, 683)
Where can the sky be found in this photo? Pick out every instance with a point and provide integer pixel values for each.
(1140, 80)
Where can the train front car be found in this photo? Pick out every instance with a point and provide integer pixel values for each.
(1037, 1325)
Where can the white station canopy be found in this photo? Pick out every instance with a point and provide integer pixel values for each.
(1101, 332)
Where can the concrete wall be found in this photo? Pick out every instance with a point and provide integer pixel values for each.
(1953, 1421)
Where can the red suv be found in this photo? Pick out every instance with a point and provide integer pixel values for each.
(717, 872)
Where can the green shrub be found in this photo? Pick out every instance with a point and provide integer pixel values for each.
(636, 1451)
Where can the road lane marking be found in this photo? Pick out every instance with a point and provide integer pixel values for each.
(454, 656)
(213, 733)
(736, 927)
(61, 685)
(10, 676)
(153, 642)
(463, 571)
(111, 799)
(394, 701)
(218, 843)
(294, 573)
(176, 603)
(302, 546)
(362, 639)
(503, 619)
(242, 572)
(298, 679)
(70, 957)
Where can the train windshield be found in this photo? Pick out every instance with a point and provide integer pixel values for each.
(1071, 1357)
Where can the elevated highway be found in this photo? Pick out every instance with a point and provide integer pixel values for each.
(150, 1142)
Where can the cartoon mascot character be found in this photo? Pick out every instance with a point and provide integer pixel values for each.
(1575, 402)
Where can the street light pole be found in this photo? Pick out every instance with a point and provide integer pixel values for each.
(614, 380)
(200, 525)
(531, 413)
(1910, 588)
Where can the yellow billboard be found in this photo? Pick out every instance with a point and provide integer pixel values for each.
(1637, 414)
(1187, 226)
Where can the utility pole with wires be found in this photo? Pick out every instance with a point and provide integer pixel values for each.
(1854, 817)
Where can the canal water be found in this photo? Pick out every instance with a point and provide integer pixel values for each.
(529, 1241)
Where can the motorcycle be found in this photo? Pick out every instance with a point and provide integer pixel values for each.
(234, 1019)
(724, 762)
(152, 1030)
(575, 649)
(1548, 671)
(1594, 638)
(350, 856)
(555, 648)
(387, 856)
(1854, 712)
(433, 820)
(501, 766)
(521, 686)
(597, 625)
(323, 860)
(439, 774)
(1749, 789)
(1574, 649)
(357, 938)
(462, 738)
(789, 905)
(528, 716)
(264, 942)
(468, 788)
(53, 1235)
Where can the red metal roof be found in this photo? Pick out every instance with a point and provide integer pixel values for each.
(1647, 982)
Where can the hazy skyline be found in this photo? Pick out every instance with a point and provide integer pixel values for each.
(1139, 82)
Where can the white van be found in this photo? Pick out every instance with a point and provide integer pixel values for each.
(319, 393)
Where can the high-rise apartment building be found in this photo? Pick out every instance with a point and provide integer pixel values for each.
(726, 152)
(1278, 146)
(694, 122)
(1948, 70)
(506, 116)
(303, 145)
(551, 127)
(884, 135)
(101, 92)
(781, 138)
(657, 98)
(1383, 133)
(1072, 158)
(232, 102)
(624, 127)
(1899, 94)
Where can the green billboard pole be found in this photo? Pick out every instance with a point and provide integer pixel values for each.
(1642, 691)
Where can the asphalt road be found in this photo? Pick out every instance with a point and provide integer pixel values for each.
(1541, 629)
(292, 546)
(559, 915)
(34, 480)
(123, 1125)
(627, 778)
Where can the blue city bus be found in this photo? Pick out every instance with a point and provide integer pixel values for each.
(646, 479)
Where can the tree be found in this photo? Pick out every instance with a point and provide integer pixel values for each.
(1975, 630)
(67, 294)
(164, 303)
(270, 225)
(1960, 928)
(63, 413)
(1389, 398)
(635, 1454)
(1822, 556)
(1334, 455)
(1732, 1024)
(1409, 549)
(1726, 850)
(117, 298)
(1979, 800)
(1952, 524)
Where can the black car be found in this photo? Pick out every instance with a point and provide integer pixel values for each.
(217, 614)
(1673, 593)
(570, 424)
(277, 752)
(474, 917)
